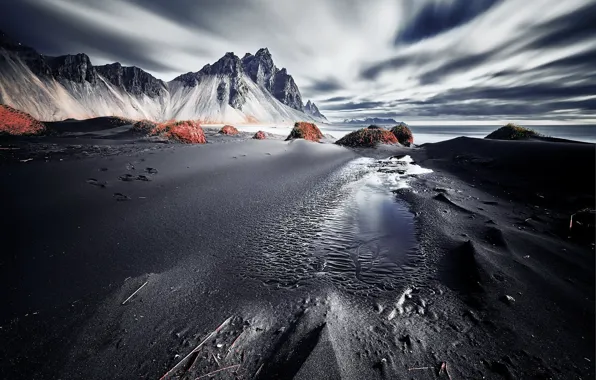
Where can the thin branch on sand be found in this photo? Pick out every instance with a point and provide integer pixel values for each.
(136, 291)
(447, 371)
(167, 374)
(259, 370)
(444, 369)
(419, 368)
(215, 358)
(219, 370)
(233, 343)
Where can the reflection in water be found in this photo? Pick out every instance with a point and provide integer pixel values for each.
(371, 235)
(353, 232)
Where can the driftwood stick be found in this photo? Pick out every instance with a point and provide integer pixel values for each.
(233, 343)
(219, 370)
(419, 368)
(136, 291)
(165, 376)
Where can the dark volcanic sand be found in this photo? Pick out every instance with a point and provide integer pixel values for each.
(324, 273)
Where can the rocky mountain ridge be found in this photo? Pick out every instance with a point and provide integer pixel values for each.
(370, 120)
(251, 89)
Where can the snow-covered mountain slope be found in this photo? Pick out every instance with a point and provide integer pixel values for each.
(57, 88)
(203, 102)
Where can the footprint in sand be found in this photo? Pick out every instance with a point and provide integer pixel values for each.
(151, 170)
(141, 177)
(121, 197)
(94, 182)
(127, 178)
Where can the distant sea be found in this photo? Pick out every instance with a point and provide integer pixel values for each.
(436, 133)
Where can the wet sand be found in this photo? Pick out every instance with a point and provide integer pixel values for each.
(295, 260)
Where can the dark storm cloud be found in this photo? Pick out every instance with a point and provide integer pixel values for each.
(354, 105)
(583, 62)
(69, 36)
(373, 71)
(530, 93)
(569, 28)
(336, 99)
(457, 65)
(199, 14)
(323, 86)
(438, 17)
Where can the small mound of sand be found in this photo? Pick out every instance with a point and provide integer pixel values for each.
(307, 131)
(512, 132)
(228, 130)
(403, 134)
(182, 131)
(15, 122)
(144, 126)
(368, 137)
(260, 135)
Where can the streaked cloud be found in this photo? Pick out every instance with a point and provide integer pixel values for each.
(409, 59)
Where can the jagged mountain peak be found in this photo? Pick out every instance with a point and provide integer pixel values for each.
(263, 52)
(229, 90)
(311, 109)
(73, 67)
(229, 64)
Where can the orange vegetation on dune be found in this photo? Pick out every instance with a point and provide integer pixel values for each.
(307, 131)
(260, 135)
(15, 122)
(228, 130)
(187, 131)
(403, 134)
(368, 137)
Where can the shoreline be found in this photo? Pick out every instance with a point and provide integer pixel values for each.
(205, 234)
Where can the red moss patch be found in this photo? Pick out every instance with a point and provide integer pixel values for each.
(260, 135)
(228, 130)
(183, 131)
(307, 131)
(368, 138)
(15, 122)
(403, 134)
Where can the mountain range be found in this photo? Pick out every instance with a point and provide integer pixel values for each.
(370, 120)
(231, 90)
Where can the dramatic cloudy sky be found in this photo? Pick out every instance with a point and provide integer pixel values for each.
(410, 59)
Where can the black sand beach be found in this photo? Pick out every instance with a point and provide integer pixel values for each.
(132, 258)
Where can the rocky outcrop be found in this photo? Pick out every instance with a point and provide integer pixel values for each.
(306, 131)
(403, 134)
(368, 138)
(132, 79)
(311, 109)
(261, 69)
(75, 68)
(512, 132)
(15, 122)
(286, 91)
(260, 135)
(228, 130)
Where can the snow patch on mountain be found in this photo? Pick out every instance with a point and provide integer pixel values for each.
(232, 90)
